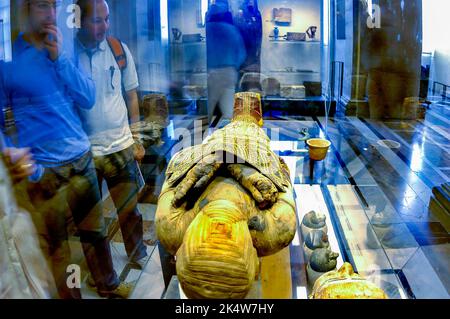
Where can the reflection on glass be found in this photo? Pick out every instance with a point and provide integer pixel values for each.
(2, 41)
(164, 20)
(416, 158)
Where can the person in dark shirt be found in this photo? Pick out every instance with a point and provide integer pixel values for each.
(225, 55)
(249, 22)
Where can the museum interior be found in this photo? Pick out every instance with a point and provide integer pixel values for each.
(280, 149)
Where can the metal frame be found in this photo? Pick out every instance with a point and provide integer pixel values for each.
(444, 89)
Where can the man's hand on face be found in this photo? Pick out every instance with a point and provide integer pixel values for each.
(53, 41)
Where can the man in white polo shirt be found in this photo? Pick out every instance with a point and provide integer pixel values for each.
(108, 122)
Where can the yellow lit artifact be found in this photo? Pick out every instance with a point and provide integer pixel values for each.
(345, 284)
(225, 203)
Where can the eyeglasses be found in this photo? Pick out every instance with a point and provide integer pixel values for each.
(46, 5)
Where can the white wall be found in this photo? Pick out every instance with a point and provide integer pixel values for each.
(441, 67)
(344, 50)
(186, 56)
(129, 22)
(305, 13)
(183, 15)
(151, 60)
(275, 56)
(436, 25)
(296, 55)
(436, 38)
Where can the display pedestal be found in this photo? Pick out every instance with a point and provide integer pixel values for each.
(174, 290)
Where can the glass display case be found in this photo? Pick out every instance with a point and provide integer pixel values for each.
(291, 67)
(365, 79)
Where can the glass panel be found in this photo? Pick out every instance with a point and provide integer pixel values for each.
(104, 109)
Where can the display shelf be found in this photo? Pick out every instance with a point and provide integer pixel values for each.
(188, 72)
(283, 99)
(327, 190)
(265, 98)
(360, 243)
(302, 42)
(188, 43)
(293, 72)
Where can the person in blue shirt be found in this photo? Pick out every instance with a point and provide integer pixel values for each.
(43, 91)
(225, 54)
(249, 22)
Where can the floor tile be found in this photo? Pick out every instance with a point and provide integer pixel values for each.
(380, 210)
(438, 257)
(369, 259)
(398, 257)
(399, 125)
(429, 233)
(423, 280)
(393, 184)
(446, 171)
(151, 283)
(148, 211)
(395, 236)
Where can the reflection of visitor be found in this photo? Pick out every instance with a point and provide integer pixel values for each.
(107, 124)
(249, 22)
(392, 57)
(44, 91)
(24, 269)
(225, 55)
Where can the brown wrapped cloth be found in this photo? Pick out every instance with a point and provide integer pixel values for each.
(218, 218)
(155, 111)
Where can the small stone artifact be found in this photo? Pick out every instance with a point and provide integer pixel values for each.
(313, 221)
(322, 260)
(271, 86)
(293, 91)
(314, 240)
(345, 284)
(225, 203)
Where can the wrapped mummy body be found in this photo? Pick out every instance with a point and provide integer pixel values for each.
(218, 218)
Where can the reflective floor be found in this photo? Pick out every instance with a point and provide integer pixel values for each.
(376, 195)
